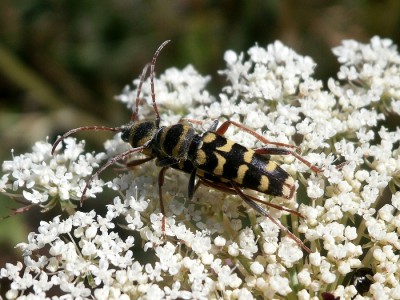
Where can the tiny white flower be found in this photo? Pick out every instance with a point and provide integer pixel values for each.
(315, 259)
(233, 249)
(350, 233)
(344, 268)
(304, 277)
(247, 243)
(280, 285)
(314, 190)
(219, 241)
(289, 252)
(257, 268)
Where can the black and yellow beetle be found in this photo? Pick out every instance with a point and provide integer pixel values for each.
(215, 160)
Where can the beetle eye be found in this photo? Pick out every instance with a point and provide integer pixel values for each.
(125, 134)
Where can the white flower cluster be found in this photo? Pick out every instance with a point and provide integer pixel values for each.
(45, 179)
(213, 246)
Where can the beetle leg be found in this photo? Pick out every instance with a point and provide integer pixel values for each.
(230, 190)
(224, 127)
(264, 213)
(160, 184)
(283, 151)
(136, 162)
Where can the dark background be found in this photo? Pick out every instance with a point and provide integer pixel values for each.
(63, 61)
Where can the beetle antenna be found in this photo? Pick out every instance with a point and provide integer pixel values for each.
(153, 95)
(135, 111)
(84, 128)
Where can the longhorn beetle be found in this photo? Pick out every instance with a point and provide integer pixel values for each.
(216, 161)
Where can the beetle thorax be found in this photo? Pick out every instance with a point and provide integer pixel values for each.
(174, 141)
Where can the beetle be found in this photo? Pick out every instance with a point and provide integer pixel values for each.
(215, 160)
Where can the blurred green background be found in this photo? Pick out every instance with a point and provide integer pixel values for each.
(61, 62)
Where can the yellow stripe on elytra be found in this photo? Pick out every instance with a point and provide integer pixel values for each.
(270, 166)
(209, 137)
(227, 147)
(264, 184)
(241, 173)
(248, 156)
(287, 188)
(219, 169)
(201, 157)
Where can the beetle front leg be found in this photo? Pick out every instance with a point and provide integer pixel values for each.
(136, 162)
